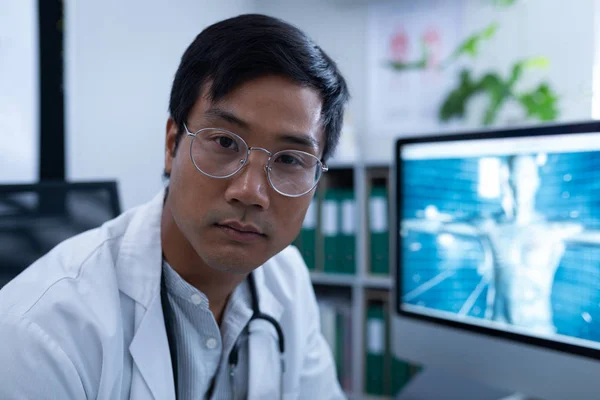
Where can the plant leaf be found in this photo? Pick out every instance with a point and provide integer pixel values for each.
(455, 103)
(515, 75)
(400, 66)
(540, 103)
(537, 62)
(471, 46)
(504, 3)
(498, 92)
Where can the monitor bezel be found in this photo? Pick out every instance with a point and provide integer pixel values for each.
(525, 131)
(65, 186)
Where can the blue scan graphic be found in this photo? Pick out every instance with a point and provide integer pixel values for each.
(514, 240)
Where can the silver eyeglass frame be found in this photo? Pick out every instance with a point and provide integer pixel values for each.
(244, 161)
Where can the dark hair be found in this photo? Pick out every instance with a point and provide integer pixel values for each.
(237, 50)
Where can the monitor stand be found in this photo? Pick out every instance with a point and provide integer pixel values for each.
(436, 384)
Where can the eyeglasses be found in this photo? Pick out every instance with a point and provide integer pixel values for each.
(220, 154)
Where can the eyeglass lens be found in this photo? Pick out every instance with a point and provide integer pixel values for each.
(221, 154)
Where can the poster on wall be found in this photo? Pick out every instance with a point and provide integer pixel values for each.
(409, 45)
(18, 92)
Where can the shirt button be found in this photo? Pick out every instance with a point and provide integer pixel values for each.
(196, 299)
(211, 343)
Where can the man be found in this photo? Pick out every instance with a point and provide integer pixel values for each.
(197, 294)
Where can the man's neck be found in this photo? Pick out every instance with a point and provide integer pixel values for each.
(181, 256)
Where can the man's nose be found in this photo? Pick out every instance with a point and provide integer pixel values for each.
(250, 186)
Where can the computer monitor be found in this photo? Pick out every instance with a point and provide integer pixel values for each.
(36, 217)
(497, 245)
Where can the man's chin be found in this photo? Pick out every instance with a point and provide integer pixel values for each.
(234, 264)
(233, 270)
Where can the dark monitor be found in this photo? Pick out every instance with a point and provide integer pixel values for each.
(497, 241)
(36, 217)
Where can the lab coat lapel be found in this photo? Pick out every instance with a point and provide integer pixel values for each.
(151, 356)
(264, 368)
(139, 268)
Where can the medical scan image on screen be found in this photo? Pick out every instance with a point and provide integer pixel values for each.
(508, 241)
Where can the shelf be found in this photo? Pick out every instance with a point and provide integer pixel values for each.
(341, 164)
(322, 278)
(375, 397)
(378, 282)
(372, 282)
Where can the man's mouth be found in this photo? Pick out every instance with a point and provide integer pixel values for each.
(241, 232)
(244, 228)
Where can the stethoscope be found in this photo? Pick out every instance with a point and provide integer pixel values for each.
(234, 355)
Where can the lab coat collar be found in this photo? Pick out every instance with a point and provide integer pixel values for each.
(139, 268)
(267, 301)
(139, 262)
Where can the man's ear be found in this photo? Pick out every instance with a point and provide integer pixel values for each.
(170, 144)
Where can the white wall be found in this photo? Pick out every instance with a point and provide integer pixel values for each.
(339, 28)
(550, 28)
(561, 31)
(121, 57)
(18, 91)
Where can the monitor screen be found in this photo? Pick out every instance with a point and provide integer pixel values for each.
(500, 234)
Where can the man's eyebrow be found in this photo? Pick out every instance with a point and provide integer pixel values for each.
(219, 113)
(300, 139)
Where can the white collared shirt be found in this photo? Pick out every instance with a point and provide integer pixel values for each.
(202, 346)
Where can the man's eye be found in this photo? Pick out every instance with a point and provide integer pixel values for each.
(226, 142)
(288, 160)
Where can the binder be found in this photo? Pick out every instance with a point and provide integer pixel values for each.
(348, 349)
(378, 224)
(329, 230)
(339, 346)
(336, 327)
(400, 375)
(307, 240)
(328, 325)
(375, 349)
(347, 234)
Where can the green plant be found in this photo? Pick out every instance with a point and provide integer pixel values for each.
(539, 103)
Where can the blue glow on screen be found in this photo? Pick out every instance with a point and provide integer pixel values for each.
(509, 240)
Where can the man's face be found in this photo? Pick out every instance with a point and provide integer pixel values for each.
(270, 112)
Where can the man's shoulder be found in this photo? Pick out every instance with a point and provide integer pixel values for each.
(66, 307)
(66, 273)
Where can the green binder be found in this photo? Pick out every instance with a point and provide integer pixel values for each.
(400, 375)
(378, 224)
(307, 239)
(375, 348)
(347, 233)
(339, 346)
(329, 230)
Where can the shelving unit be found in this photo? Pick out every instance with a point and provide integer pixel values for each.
(357, 288)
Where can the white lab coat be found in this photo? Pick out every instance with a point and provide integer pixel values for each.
(86, 322)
